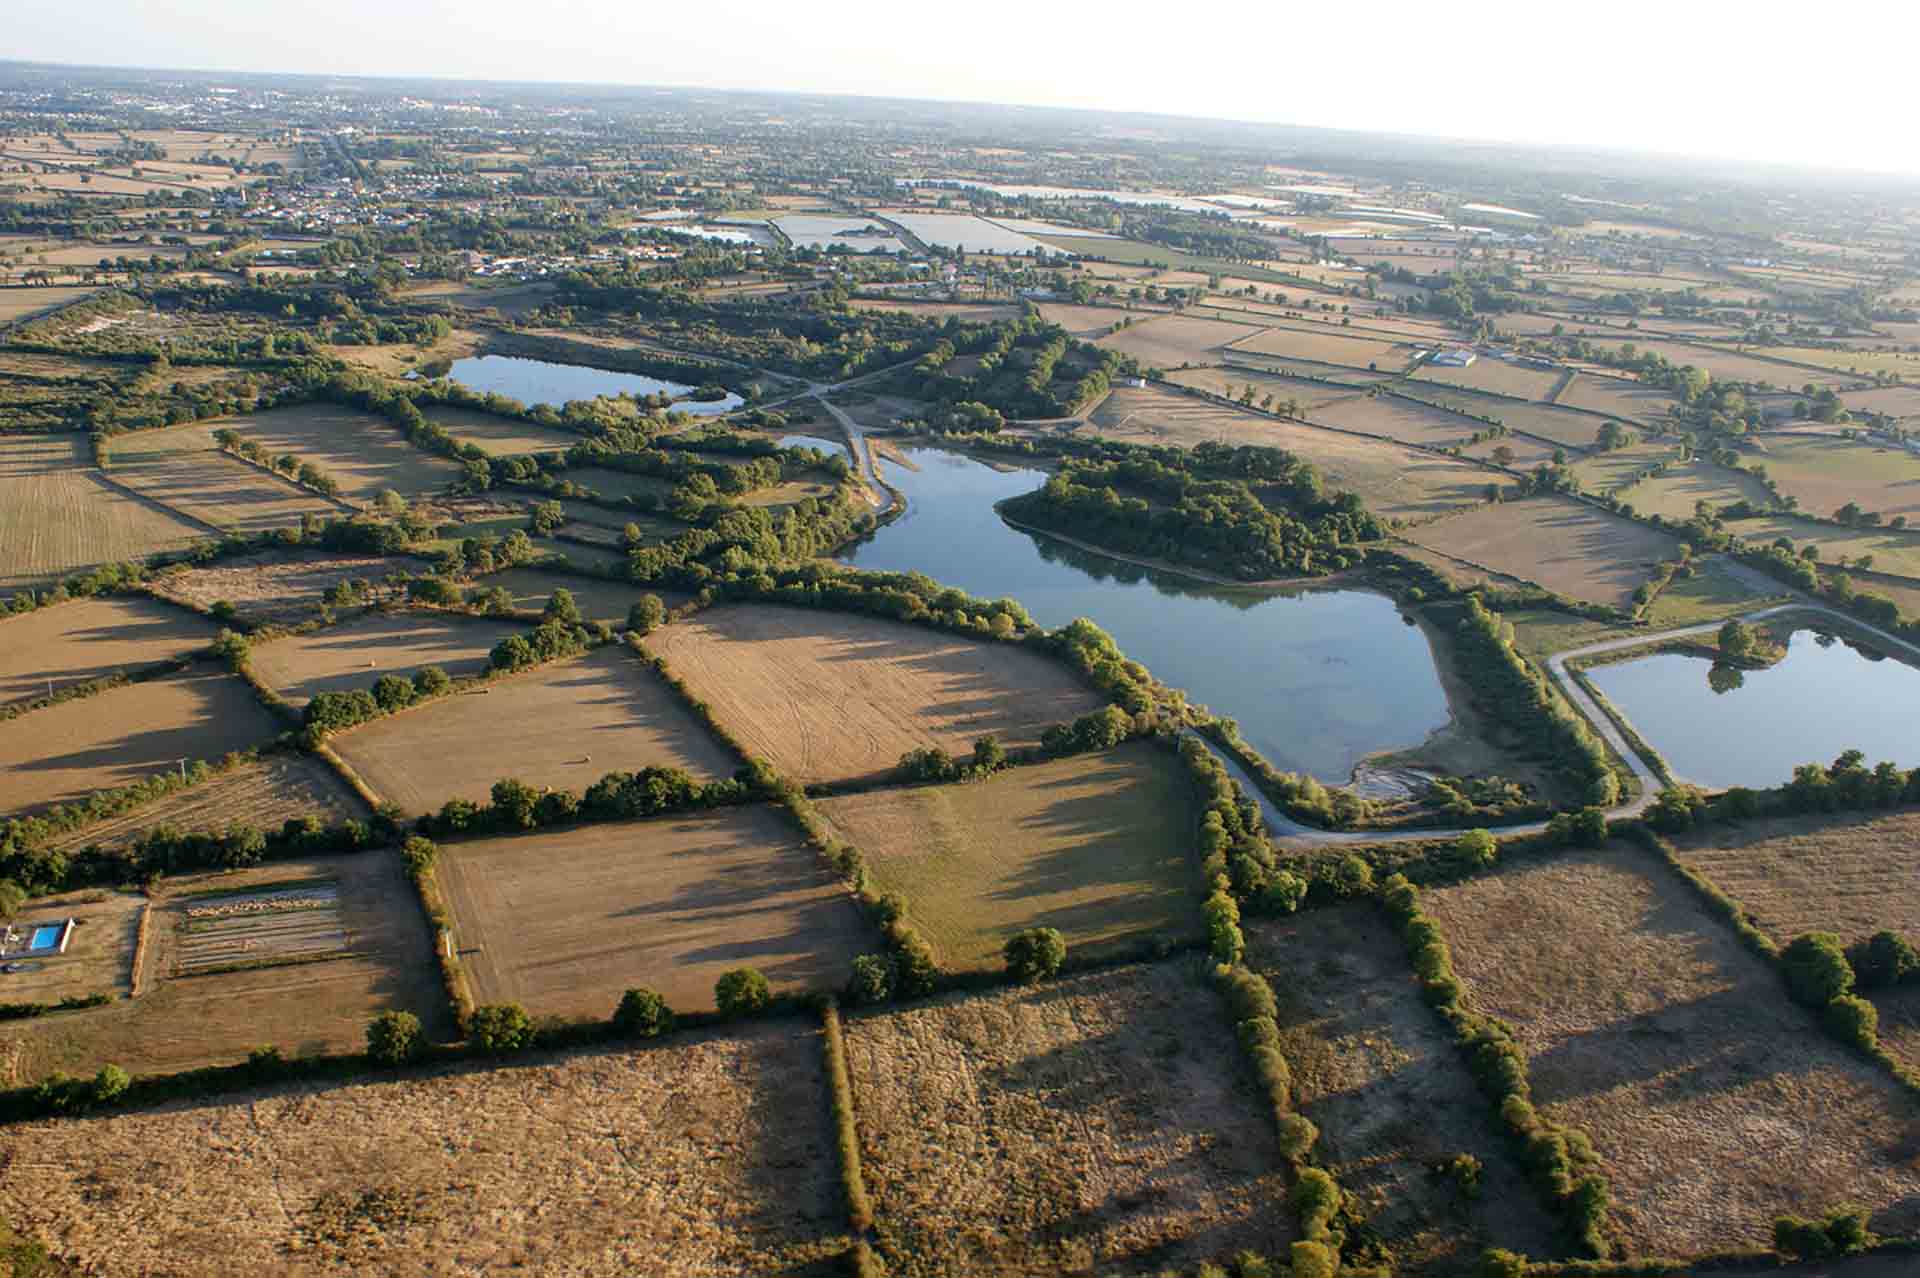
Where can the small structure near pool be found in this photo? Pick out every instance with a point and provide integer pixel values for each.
(36, 939)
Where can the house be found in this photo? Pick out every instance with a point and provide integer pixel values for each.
(1458, 357)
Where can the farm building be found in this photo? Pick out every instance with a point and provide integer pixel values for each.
(1458, 357)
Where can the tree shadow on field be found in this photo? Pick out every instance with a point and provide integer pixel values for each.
(181, 631)
(789, 1162)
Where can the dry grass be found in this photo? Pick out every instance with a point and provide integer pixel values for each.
(831, 696)
(1714, 1101)
(1399, 419)
(225, 492)
(90, 639)
(1171, 340)
(68, 751)
(57, 516)
(1494, 375)
(501, 435)
(265, 795)
(184, 1022)
(566, 724)
(607, 601)
(1098, 846)
(1895, 401)
(1085, 322)
(99, 955)
(1893, 550)
(1233, 380)
(1675, 493)
(1098, 1124)
(709, 1156)
(1827, 472)
(274, 586)
(1567, 547)
(1619, 396)
(1378, 1073)
(363, 452)
(25, 303)
(352, 656)
(562, 923)
(1329, 347)
(1560, 425)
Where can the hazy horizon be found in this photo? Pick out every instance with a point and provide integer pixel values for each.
(1502, 73)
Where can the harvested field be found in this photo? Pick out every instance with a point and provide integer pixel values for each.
(352, 656)
(598, 600)
(1233, 380)
(1399, 419)
(185, 1019)
(1617, 396)
(1673, 494)
(1378, 1073)
(711, 1155)
(68, 751)
(830, 696)
(1171, 340)
(969, 312)
(225, 492)
(363, 452)
(1496, 376)
(274, 586)
(1097, 1124)
(1725, 365)
(1567, 547)
(1892, 550)
(99, 954)
(1085, 322)
(566, 724)
(1894, 401)
(1328, 347)
(92, 639)
(1604, 473)
(1098, 846)
(57, 516)
(618, 483)
(1714, 1101)
(1827, 472)
(500, 435)
(1845, 874)
(1523, 452)
(562, 923)
(265, 795)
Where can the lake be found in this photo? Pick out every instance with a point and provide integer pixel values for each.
(1823, 698)
(1317, 679)
(540, 381)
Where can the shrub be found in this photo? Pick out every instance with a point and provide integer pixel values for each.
(1852, 1019)
(1297, 1136)
(1816, 969)
(1035, 954)
(1317, 1198)
(646, 615)
(1477, 848)
(419, 854)
(431, 681)
(393, 692)
(643, 1014)
(872, 980)
(110, 1084)
(1881, 960)
(1843, 1233)
(501, 1028)
(1314, 1260)
(393, 1038)
(1498, 1263)
(741, 992)
(1223, 927)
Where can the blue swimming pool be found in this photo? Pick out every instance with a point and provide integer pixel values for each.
(45, 937)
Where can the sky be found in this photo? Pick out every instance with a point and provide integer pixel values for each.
(1825, 86)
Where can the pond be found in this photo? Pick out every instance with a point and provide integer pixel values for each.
(1719, 727)
(540, 381)
(1317, 679)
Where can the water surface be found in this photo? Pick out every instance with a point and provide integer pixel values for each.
(540, 381)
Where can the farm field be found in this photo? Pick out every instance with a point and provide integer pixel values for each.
(1379, 1074)
(92, 639)
(1894, 401)
(1086, 322)
(25, 303)
(1566, 547)
(607, 601)
(1093, 1124)
(265, 795)
(1328, 347)
(565, 724)
(1526, 451)
(537, 1167)
(361, 451)
(185, 1018)
(831, 696)
(1098, 846)
(1892, 551)
(502, 436)
(1714, 1101)
(98, 958)
(1673, 494)
(223, 491)
(1618, 396)
(1559, 426)
(272, 586)
(1399, 419)
(617, 483)
(1495, 376)
(1233, 380)
(1903, 364)
(67, 751)
(1827, 472)
(1171, 340)
(1726, 365)
(353, 656)
(562, 923)
(57, 516)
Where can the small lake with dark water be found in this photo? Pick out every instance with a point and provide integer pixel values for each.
(539, 381)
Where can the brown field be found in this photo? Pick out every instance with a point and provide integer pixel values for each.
(1847, 874)
(1328, 347)
(1714, 1101)
(1893, 551)
(1673, 494)
(361, 451)
(1617, 395)
(352, 656)
(1567, 547)
(1826, 473)
(225, 492)
(970, 312)
(90, 639)
(1400, 419)
(1727, 365)
(1379, 1074)
(1171, 340)
(566, 724)
(562, 923)
(831, 697)
(1527, 451)
(1086, 322)
(1097, 846)
(184, 1022)
(98, 958)
(711, 1155)
(265, 795)
(1604, 473)
(1097, 1124)
(607, 601)
(501, 435)
(68, 751)
(1497, 376)
(618, 483)
(1233, 380)
(57, 516)
(24, 303)
(276, 586)
(1895, 401)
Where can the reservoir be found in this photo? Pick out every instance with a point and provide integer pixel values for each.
(539, 381)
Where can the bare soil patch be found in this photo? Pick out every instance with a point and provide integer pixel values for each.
(832, 697)
(566, 725)
(1714, 1100)
(712, 1155)
(1094, 1124)
(1567, 547)
(353, 656)
(91, 639)
(1378, 1073)
(562, 923)
(1098, 846)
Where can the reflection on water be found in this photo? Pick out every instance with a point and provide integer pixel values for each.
(1317, 679)
(540, 381)
(1719, 726)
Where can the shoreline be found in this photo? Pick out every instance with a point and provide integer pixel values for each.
(1195, 574)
